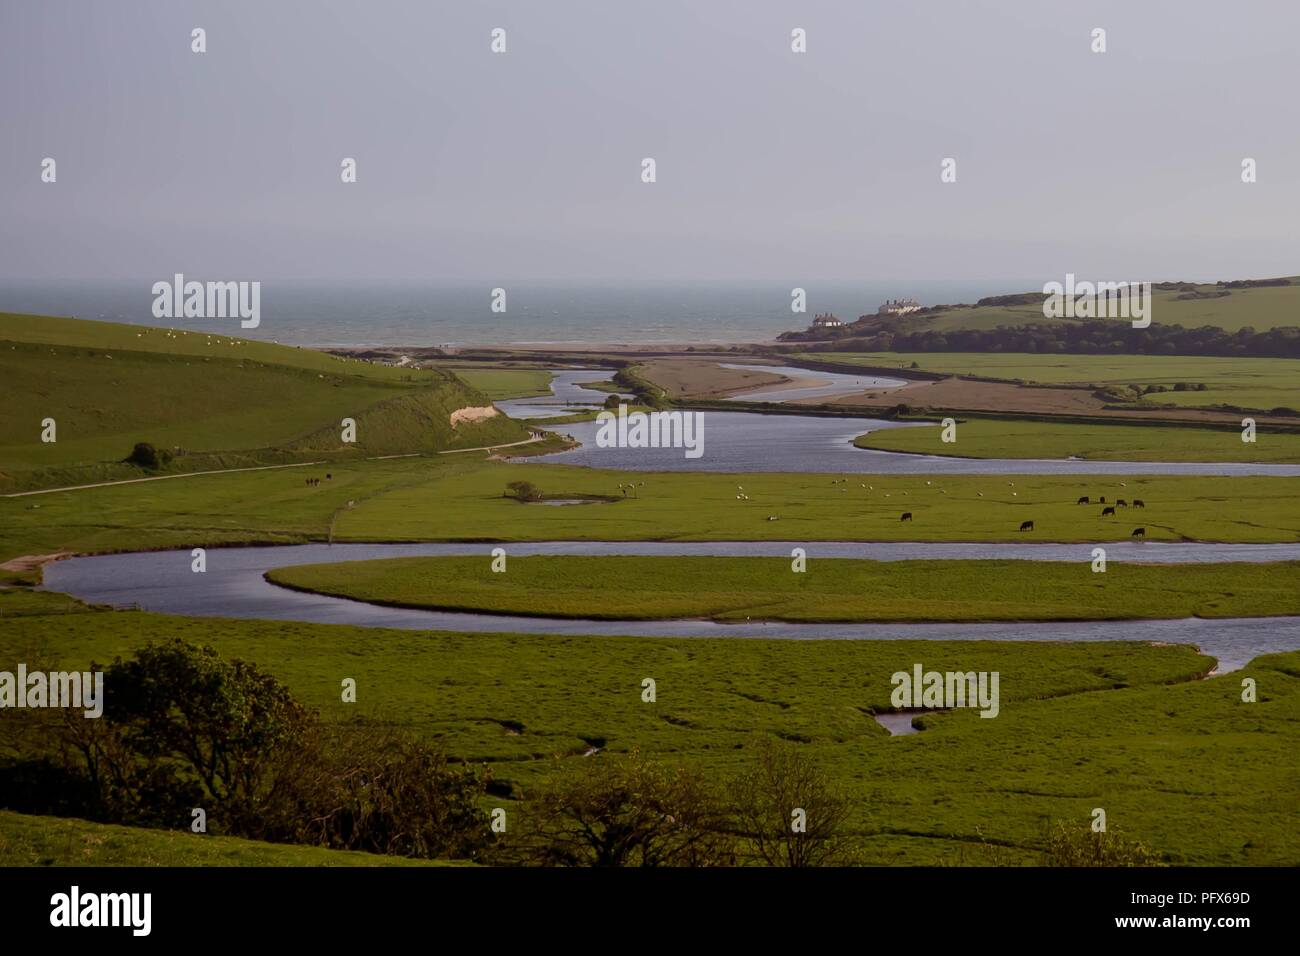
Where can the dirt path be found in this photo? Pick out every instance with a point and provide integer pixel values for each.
(513, 444)
(132, 481)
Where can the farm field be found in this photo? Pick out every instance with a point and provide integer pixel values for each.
(986, 438)
(740, 589)
(1260, 383)
(1125, 726)
(464, 500)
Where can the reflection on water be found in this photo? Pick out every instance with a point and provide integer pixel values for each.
(752, 441)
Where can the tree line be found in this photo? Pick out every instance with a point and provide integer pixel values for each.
(1075, 338)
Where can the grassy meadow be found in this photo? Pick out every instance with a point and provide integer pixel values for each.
(1000, 438)
(740, 589)
(461, 498)
(1180, 763)
(499, 383)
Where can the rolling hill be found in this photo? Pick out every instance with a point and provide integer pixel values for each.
(209, 402)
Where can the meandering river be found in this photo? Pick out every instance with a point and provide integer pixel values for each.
(234, 586)
(752, 441)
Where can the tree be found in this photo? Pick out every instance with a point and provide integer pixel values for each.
(524, 491)
(1070, 844)
(788, 811)
(147, 456)
(182, 724)
(383, 792)
(613, 401)
(627, 811)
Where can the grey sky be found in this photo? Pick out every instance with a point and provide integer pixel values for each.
(770, 164)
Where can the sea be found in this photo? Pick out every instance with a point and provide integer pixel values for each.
(408, 312)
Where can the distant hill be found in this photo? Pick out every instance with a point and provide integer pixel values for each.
(1236, 317)
(208, 402)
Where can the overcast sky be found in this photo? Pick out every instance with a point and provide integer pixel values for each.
(826, 164)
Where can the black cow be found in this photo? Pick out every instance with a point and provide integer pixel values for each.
(1082, 501)
(1121, 503)
(1138, 503)
(1107, 511)
(1026, 526)
(1139, 532)
(1101, 500)
(907, 516)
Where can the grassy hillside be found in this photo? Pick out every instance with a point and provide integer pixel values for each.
(1261, 308)
(55, 841)
(214, 402)
(740, 589)
(52, 330)
(1181, 764)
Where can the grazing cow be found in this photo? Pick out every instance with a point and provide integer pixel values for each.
(328, 476)
(1101, 500)
(907, 516)
(1082, 501)
(1138, 503)
(1121, 503)
(1107, 511)
(1026, 526)
(1139, 532)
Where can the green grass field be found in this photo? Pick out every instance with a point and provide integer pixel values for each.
(1258, 383)
(996, 438)
(60, 332)
(499, 383)
(465, 503)
(1179, 763)
(226, 402)
(55, 841)
(740, 589)
(456, 498)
